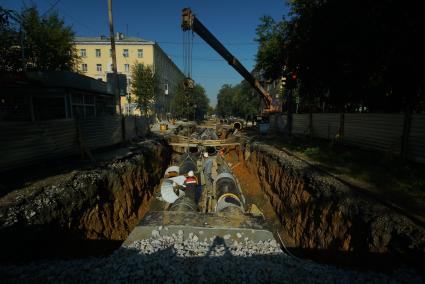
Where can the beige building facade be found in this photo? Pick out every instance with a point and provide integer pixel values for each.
(96, 62)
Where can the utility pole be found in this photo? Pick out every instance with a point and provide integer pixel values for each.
(114, 60)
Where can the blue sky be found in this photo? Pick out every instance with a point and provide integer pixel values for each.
(232, 22)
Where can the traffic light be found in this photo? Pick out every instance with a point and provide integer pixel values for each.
(292, 80)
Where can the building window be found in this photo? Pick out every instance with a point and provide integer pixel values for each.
(83, 105)
(126, 67)
(140, 53)
(125, 53)
(99, 67)
(98, 53)
(83, 52)
(84, 67)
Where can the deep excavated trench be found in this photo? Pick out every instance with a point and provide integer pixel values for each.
(90, 213)
(321, 218)
(84, 212)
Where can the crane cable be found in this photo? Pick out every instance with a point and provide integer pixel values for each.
(187, 52)
(187, 67)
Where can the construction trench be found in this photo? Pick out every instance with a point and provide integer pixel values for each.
(266, 211)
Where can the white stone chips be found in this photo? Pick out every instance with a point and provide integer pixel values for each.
(176, 258)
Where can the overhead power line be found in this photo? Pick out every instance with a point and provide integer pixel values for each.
(218, 59)
(203, 43)
(50, 8)
(75, 20)
(217, 77)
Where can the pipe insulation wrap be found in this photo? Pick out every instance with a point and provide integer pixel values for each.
(227, 192)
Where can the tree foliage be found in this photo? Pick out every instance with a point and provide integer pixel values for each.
(144, 85)
(349, 55)
(194, 104)
(36, 43)
(225, 100)
(239, 100)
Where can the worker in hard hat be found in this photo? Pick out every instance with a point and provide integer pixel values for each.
(207, 169)
(191, 180)
(190, 183)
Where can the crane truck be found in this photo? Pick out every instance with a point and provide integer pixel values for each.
(191, 22)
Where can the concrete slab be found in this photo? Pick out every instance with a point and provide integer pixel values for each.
(203, 225)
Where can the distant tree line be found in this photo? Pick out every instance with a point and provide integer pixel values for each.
(348, 55)
(192, 105)
(239, 100)
(30, 41)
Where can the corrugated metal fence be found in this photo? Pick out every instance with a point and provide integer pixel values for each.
(381, 132)
(26, 143)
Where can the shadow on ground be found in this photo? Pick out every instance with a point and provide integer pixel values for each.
(129, 265)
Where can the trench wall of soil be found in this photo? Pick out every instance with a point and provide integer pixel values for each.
(86, 212)
(319, 212)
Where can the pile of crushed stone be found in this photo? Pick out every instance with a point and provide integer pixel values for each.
(176, 258)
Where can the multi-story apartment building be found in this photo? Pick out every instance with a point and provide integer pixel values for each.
(96, 62)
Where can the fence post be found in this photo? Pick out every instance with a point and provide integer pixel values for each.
(123, 128)
(84, 148)
(310, 123)
(405, 134)
(289, 118)
(341, 130)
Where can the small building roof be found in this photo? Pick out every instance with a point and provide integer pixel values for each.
(64, 79)
(106, 39)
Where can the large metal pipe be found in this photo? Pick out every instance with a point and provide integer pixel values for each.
(194, 150)
(227, 192)
(184, 204)
(208, 134)
(237, 125)
(211, 150)
(188, 163)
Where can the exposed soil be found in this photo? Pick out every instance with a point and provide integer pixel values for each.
(394, 181)
(322, 218)
(82, 213)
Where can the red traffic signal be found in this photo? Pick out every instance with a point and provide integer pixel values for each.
(292, 80)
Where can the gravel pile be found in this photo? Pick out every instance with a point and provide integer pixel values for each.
(175, 258)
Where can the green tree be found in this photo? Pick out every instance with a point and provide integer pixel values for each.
(10, 48)
(201, 102)
(348, 55)
(239, 100)
(190, 105)
(246, 101)
(144, 85)
(47, 42)
(225, 100)
(270, 54)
